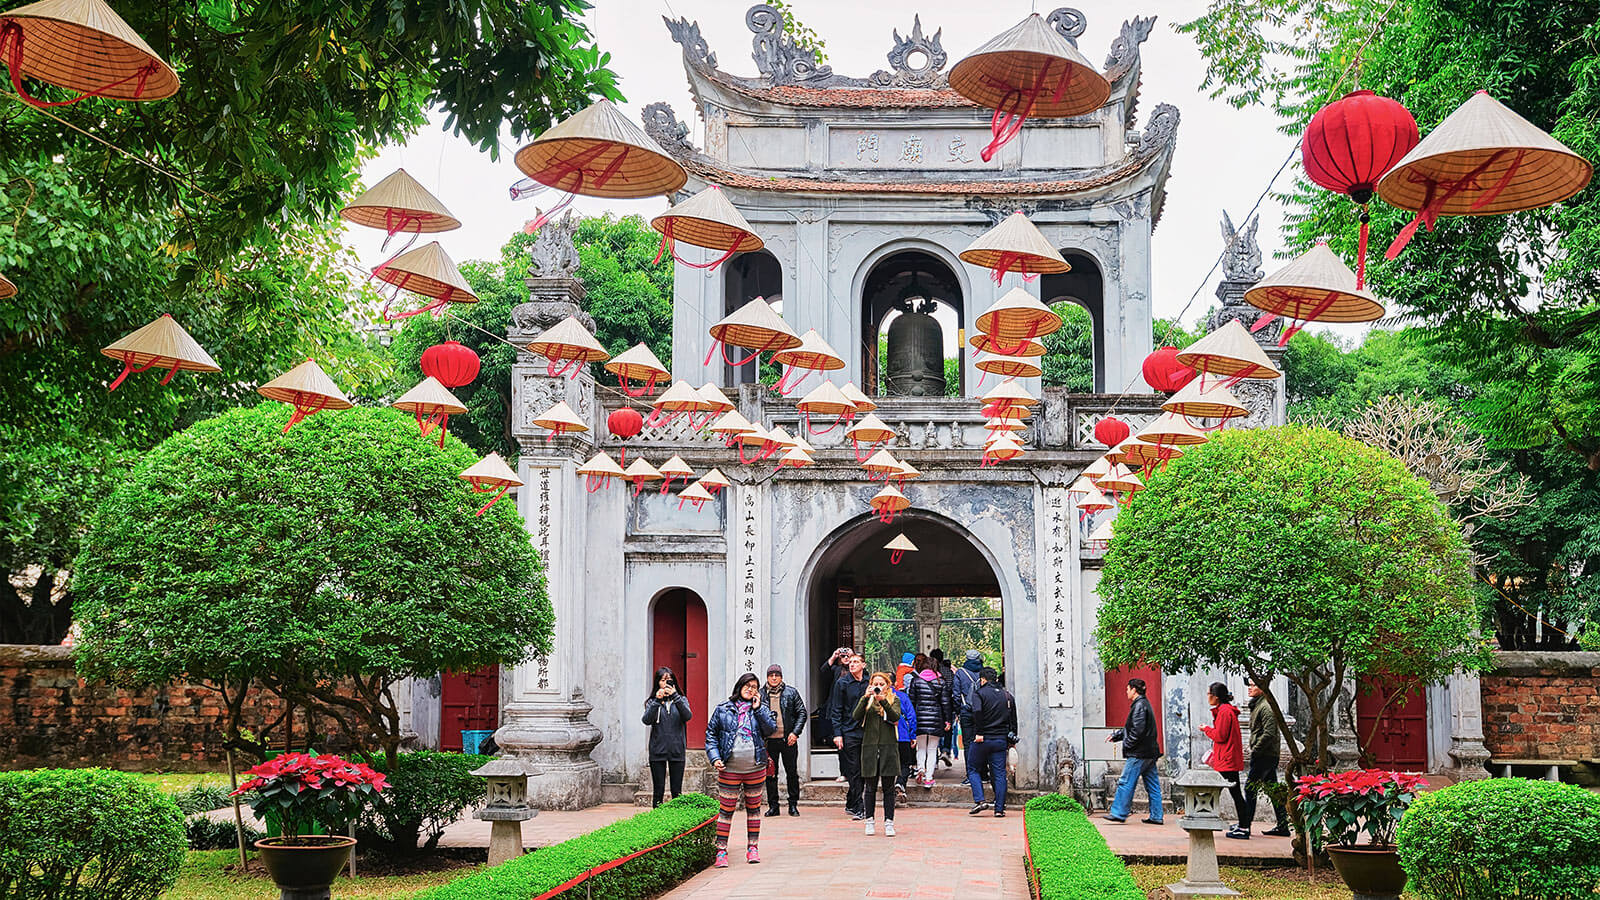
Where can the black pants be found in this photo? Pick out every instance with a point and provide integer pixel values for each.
(850, 768)
(1233, 791)
(908, 761)
(1263, 770)
(780, 751)
(871, 785)
(658, 778)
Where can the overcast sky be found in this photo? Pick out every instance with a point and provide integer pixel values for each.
(1224, 156)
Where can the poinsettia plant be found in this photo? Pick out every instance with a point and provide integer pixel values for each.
(1343, 805)
(300, 790)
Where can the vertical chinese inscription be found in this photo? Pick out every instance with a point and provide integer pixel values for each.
(541, 537)
(749, 587)
(1055, 599)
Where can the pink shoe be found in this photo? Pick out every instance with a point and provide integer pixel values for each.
(722, 860)
(752, 855)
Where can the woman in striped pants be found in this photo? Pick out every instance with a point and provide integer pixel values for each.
(736, 746)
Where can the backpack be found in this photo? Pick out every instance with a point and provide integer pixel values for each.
(965, 689)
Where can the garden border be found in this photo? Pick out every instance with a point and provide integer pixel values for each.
(1084, 873)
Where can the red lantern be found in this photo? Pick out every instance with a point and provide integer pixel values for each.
(625, 423)
(450, 363)
(1111, 431)
(1348, 146)
(1164, 373)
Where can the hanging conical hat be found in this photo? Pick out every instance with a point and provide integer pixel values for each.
(599, 152)
(715, 478)
(1004, 448)
(1031, 55)
(1115, 456)
(755, 437)
(560, 418)
(84, 46)
(491, 471)
(568, 340)
(731, 422)
(907, 471)
(1027, 348)
(1015, 316)
(1094, 501)
(889, 498)
(1121, 479)
(1081, 487)
(681, 398)
(1147, 455)
(1229, 351)
(812, 353)
(852, 393)
(677, 468)
(778, 435)
(795, 458)
(717, 401)
(825, 400)
(1010, 391)
(160, 344)
(870, 430)
(755, 326)
(1096, 470)
(7, 289)
(1171, 429)
(428, 271)
(601, 465)
(1016, 244)
(429, 398)
(708, 220)
(696, 493)
(882, 461)
(901, 542)
(1316, 287)
(637, 363)
(639, 470)
(1212, 403)
(304, 382)
(1010, 366)
(399, 204)
(1537, 170)
(1102, 532)
(1004, 423)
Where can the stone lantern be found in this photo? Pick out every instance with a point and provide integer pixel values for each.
(1202, 802)
(506, 806)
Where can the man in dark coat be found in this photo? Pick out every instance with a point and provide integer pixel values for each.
(847, 730)
(994, 729)
(1141, 749)
(1264, 748)
(783, 745)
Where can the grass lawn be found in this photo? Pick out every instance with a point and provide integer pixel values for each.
(167, 782)
(203, 878)
(1257, 884)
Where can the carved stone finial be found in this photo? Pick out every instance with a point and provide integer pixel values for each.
(775, 52)
(1124, 55)
(1241, 260)
(695, 49)
(1068, 22)
(662, 124)
(553, 253)
(929, 74)
(1161, 130)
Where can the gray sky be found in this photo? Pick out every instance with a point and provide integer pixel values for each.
(1224, 156)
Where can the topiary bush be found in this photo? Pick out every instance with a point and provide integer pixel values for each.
(86, 834)
(427, 791)
(1503, 839)
(1068, 855)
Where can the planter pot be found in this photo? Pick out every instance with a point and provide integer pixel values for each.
(1371, 873)
(305, 871)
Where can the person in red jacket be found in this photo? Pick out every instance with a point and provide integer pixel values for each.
(1227, 750)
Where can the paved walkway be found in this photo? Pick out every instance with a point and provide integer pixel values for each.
(549, 827)
(1168, 844)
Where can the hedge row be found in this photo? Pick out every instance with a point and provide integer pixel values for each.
(645, 876)
(1070, 859)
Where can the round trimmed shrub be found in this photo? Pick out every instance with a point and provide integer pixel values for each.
(87, 834)
(1503, 839)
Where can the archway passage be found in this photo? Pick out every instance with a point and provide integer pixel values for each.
(678, 641)
(1085, 287)
(909, 282)
(746, 277)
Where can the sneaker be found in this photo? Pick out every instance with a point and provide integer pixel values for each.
(722, 860)
(978, 808)
(899, 792)
(841, 779)
(945, 759)
(1149, 821)
(858, 815)
(999, 814)
(752, 855)
(1279, 831)
(1238, 834)
(888, 828)
(869, 827)
(1117, 819)
(928, 784)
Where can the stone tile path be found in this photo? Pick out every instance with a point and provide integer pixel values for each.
(1168, 844)
(547, 828)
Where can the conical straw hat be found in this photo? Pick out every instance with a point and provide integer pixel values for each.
(491, 471)
(864, 404)
(568, 340)
(889, 498)
(1081, 487)
(1094, 501)
(1171, 429)
(399, 204)
(901, 542)
(1229, 351)
(708, 220)
(1018, 315)
(1010, 391)
(778, 435)
(601, 465)
(1121, 479)
(676, 467)
(801, 443)
(681, 398)
(1010, 366)
(1213, 403)
(731, 422)
(639, 470)
(812, 353)
(599, 152)
(428, 271)
(1117, 456)
(1468, 140)
(755, 326)
(84, 46)
(1018, 245)
(560, 417)
(796, 458)
(1004, 448)
(1096, 470)
(715, 478)
(1316, 287)
(1102, 532)
(870, 430)
(1027, 56)
(882, 461)
(1004, 423)
(717, 401)
(908, 471)
(303, 381)
(696, 493)
(429, 398)
(1026, 348)
(7, 289)
(1147, 455)
(637, 363)
(755, 437)
(825, 400)
(163, 343)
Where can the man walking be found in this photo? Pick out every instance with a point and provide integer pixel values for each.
(847, 731)
(994, 729)
(1264, 747)
(1141, 749)
(784, 742)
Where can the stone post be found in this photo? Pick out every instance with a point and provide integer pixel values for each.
(506, 807)
(1202, 802)
(1467, 751)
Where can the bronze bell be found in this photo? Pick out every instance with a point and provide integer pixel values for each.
(916, 353)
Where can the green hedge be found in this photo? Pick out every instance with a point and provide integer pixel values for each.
(1502, 839)
(86, 834)
(1070, 858)
(427, 791)
(646, 876)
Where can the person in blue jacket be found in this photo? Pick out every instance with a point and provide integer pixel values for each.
(906, 732)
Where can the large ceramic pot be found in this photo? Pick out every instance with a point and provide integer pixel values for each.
(1371, 873)
(305, 870)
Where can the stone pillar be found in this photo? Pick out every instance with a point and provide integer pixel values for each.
(1343, 743)
(1468, 755)
(1202, 796)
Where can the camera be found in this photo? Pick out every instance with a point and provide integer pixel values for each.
(876, 689)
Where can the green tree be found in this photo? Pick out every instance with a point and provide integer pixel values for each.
(1331, 383)
(324, 564)
(1290, 551)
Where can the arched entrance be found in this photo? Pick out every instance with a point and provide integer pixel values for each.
(910, 281)
(1084, 287)
(746, 277)
(678, 641)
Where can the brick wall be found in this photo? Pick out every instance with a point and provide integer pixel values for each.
(1543, 705)
(51, 717)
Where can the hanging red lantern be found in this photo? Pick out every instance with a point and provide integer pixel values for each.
(1348, 146)
(1111, 431)
(450, 363)
(623, 424)
(1164, 373)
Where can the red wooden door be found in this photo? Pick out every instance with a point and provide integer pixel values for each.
(469, 701)
(1393, 730)
(678, 630)
(1117, 701)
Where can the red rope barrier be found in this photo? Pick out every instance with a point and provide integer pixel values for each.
(605, 867)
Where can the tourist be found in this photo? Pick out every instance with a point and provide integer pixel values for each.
(994, 730)
(1264, 747)
(947, 741)
(877, 713)
(736, 747)
(930, 696)
(783, 745)
(965, 686)
(667, 713)
(847, 731)
(832, 670)
(906, 667)
(906, 735)
(1227, 753)
(1140, 750)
